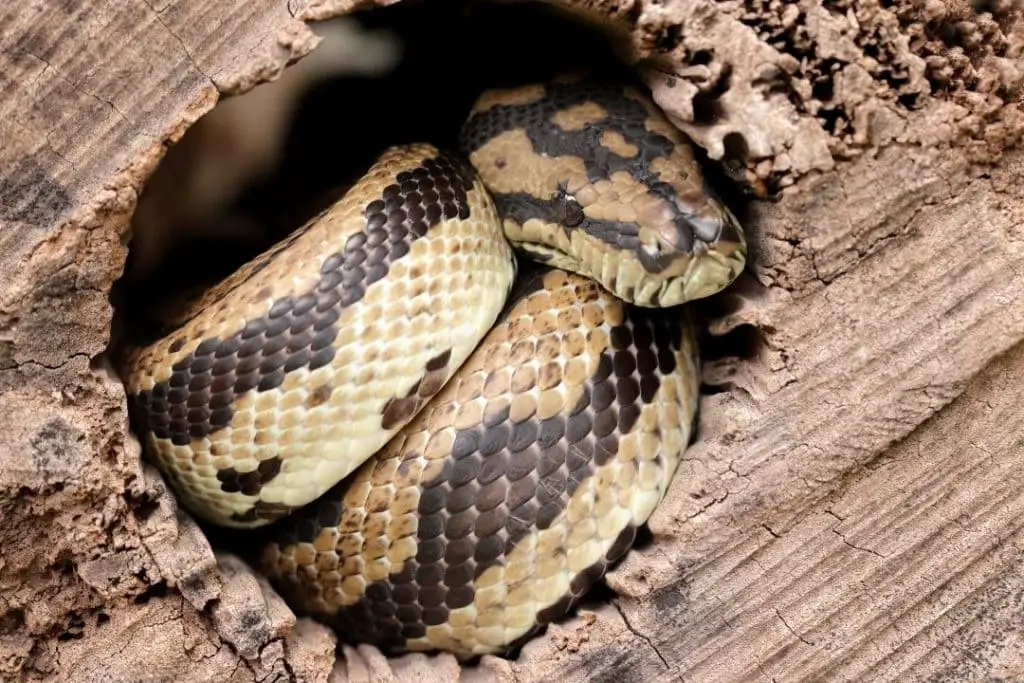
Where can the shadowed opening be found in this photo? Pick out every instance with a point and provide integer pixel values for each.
(261, 163)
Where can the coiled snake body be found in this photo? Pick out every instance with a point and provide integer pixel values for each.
(505, 435)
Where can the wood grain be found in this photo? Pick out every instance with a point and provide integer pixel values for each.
(850, 511)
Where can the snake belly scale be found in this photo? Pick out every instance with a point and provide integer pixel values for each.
(455, 394)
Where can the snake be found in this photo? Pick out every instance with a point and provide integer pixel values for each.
(452, 397)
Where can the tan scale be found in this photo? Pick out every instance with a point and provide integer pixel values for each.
(510, 165)
(618, 144)
(579, 116)
(526, 94)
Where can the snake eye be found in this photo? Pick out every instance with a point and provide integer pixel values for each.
(570, 212)
(573, 213)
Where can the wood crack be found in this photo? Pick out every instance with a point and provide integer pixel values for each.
(643, 636)
(184, 48)
(796, 635)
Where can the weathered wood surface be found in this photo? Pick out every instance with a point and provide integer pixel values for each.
(851, 509)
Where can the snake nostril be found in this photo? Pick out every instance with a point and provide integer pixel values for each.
(684, 237)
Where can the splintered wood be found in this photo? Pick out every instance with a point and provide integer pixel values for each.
(852, 507)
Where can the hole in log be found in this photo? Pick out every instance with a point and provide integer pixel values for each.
(262, 163)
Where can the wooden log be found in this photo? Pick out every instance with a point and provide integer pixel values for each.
(850, 510)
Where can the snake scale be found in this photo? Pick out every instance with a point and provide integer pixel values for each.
(459, 390)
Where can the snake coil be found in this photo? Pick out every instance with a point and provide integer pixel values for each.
(458, 391)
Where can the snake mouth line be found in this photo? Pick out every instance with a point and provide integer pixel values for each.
(693, 276)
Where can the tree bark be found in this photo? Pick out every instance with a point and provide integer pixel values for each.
(852, 507)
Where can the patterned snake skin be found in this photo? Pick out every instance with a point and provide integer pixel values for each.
(507, 425)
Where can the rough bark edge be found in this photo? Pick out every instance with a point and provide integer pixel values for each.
(115, 204)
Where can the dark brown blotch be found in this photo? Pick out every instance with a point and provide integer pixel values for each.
(582, 582)
(265, 511)
(409, 615)
(398, 411)
(460, 596)
(556, 611)
(435, 616)
(319, 396)
(249, 483)
(439, 361)
(429, 575)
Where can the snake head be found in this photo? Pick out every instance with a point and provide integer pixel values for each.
(593, 178)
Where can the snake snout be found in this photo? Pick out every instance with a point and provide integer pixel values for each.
(711, 224)
(695, 249)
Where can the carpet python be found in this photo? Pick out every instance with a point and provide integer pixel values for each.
(455, 394)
